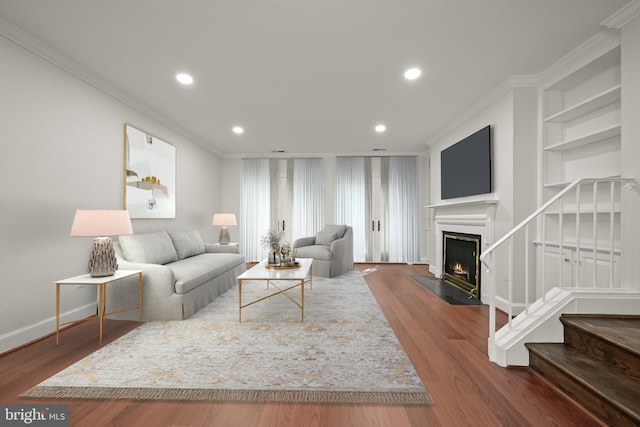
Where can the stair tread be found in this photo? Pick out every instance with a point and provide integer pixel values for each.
(623, 330)
(604, 380)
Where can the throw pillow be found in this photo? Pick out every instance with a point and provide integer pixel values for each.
(339, 230)
(325, 237)
(187, 243)
(152, 248)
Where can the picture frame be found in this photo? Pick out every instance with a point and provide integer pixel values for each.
(149, 175)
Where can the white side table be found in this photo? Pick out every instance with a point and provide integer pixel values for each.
(101, 282)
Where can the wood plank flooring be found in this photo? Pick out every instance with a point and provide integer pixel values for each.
(447, 345)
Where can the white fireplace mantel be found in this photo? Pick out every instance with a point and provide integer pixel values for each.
(474, 217)
(462, 204)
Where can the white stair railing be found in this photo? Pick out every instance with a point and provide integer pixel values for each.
(582, 222)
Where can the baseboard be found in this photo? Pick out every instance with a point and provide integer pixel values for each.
(19, 337)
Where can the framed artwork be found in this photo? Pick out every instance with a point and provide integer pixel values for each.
(149, 175)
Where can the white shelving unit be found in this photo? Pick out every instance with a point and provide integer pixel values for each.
(580, 124)
(581, 128)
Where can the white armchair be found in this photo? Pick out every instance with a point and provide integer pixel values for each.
(331, 250)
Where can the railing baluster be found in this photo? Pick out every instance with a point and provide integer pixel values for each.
(544, 258)
(578, 266)
(595, 234)
(611, 231)
(510, 280)
(492, 303)
(526, 268)
(561, 243)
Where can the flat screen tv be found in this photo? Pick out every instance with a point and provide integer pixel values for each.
(465, 167)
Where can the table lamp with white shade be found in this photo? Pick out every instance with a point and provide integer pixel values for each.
(224, 220)
(101, 224)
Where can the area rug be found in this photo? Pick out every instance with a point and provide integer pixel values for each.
(344, 352)
(446, 292)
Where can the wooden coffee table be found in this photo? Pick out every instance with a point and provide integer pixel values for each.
(260, 272)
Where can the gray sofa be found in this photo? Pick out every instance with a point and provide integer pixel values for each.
(331, 250)
(182, 274)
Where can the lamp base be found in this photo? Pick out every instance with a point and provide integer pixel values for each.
(224, 237)
(102, 261)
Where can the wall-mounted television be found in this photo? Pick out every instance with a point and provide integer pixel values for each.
(465, 167)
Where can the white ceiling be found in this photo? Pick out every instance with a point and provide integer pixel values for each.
(309, 76)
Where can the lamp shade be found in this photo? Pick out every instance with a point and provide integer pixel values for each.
(224, 219)
(103, 222)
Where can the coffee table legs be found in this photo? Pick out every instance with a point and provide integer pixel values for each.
(280, 291)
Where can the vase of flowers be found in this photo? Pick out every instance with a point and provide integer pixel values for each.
(285, 250)
(271, 241)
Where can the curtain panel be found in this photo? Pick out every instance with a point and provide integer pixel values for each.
(403, 209)
(307, 216)
(255, 209)
(351, 204)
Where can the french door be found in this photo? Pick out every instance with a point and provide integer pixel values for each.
(297, 207)
(378, 196)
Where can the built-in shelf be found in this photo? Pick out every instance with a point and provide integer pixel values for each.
(598, 101)
(602, 134)
(459, 204)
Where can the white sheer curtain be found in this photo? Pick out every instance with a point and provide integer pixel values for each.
(254, 207)
(404, 210)
(307, 215)
(351, 201)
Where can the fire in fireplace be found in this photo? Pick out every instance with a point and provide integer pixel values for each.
(461, 258)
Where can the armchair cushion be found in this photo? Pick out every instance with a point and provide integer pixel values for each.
(325, 237)
(315, 252)
(187, 243)
(329, 233)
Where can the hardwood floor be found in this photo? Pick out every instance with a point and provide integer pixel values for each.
(447, 345)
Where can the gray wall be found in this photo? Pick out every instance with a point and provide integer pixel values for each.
(62, 150)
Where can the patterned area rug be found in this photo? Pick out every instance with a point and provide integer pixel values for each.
(344, 352)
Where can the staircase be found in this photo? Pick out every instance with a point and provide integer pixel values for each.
(598, 365)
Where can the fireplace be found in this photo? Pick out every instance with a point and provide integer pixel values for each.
(461, 261)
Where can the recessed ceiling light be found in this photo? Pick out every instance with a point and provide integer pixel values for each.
(184, 78)
(412, 73)
(380, 128)
(238, 130)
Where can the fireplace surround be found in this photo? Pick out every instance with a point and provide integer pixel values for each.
(473, 217)
(461, 261)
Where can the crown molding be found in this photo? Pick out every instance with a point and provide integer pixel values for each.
(292, 155)
(56, 58)
(595, 47)
(623, 16)
(509, 84)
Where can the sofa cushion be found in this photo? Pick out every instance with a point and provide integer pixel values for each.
(151, 248)
(187, 243)
(315, 252)
(196, 270)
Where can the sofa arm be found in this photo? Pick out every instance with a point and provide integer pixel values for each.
(158, 284)
(304, 241)
(221, 249)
